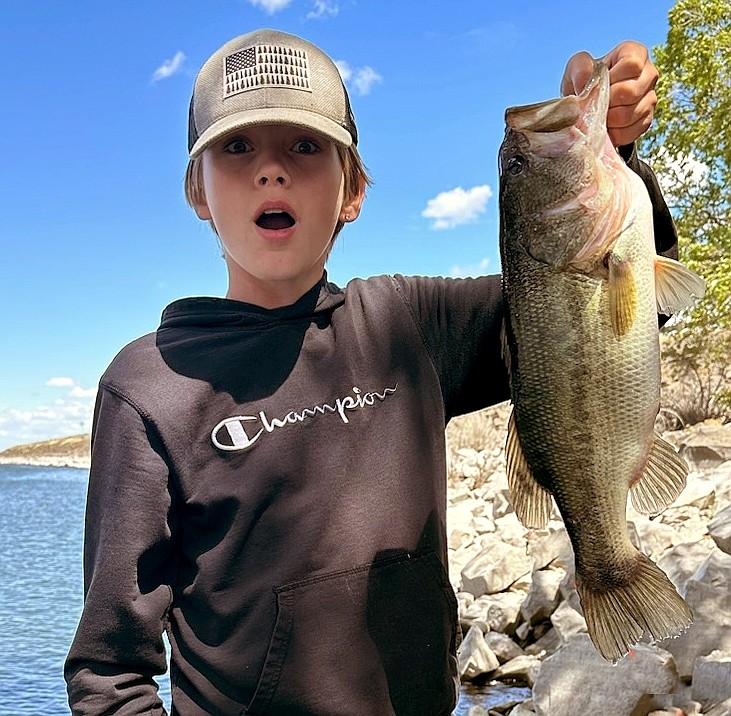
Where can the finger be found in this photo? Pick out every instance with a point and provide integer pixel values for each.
(577, 73)
(625, 124)
(630, 67)
(627, 92)
(626, 60)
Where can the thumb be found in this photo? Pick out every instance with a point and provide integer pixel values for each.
(577, 73)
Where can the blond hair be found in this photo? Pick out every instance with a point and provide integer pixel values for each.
(355, 174)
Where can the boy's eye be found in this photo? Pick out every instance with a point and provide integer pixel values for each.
(306, 146)
(237, 146)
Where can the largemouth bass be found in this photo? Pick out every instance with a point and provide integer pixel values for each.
(582, 288)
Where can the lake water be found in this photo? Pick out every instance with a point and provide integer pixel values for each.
(41, 537)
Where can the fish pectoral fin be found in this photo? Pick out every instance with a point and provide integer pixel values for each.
(647, 603)
(622, 295)
(532, 502)
(662, 480)
(676, 286)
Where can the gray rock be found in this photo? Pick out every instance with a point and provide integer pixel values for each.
(681, 562)
(576, 680)
(546, 645)
(567, 621)
(478, 711)
(543, 595)
(497, 612)
(712, 678)
(705, 445)
(523, 669)
(652, 537)
(699, 492)
(495, 568)
(722, 709)
(501, 504)
(553, 548)
(721, 476)
(503, 646)
(707, 594)
(720, 529)
(474, 656)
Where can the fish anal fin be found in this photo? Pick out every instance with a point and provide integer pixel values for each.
(647, 604)
(622, 295)
(532, 502)
(676, 286)
(662, 480)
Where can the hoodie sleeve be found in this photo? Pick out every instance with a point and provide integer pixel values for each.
(460, 322)
(128, 566)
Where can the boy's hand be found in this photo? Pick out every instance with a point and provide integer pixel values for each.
(632, 79)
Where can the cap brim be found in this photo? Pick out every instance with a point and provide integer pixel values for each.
(253, 117)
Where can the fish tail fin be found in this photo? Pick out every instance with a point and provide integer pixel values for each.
(676, 286)
(648, 604)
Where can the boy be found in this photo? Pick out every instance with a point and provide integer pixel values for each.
(268, 469)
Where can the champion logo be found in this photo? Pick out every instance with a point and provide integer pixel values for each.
(241, 432)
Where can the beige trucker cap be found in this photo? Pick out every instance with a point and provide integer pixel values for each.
(269, 77)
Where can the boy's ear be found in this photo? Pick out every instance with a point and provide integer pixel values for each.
(351, 207)
(200, 206)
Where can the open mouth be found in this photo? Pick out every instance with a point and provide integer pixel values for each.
(274, 219)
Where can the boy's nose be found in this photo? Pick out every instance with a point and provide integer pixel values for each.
(272, 171)
(271, 178)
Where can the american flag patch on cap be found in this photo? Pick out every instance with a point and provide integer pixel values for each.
(261, 66)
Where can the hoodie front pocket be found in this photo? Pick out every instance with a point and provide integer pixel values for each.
(373, 640)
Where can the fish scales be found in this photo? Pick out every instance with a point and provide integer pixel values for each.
(581, 285)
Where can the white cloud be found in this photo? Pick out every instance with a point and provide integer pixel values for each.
(365, 78)
(65, 417)
(457, 206)
(69, 415)
(323, 7)
(270, 6)
(478, 269)
(60, 382)
(344, 69)
(361, 79)
(168, 68)
(79, 392)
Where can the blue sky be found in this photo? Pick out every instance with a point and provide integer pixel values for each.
(96, 237)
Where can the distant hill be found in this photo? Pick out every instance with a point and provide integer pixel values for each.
(71, 451)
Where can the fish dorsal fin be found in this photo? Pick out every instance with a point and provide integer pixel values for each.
(662, 480)
(676, 286)
(531, 501)
(622, 295)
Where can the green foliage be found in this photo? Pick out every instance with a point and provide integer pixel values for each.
(689, 146)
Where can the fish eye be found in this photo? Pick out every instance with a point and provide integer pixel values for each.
(515, 165)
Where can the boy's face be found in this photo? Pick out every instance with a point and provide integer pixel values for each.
(275, 194)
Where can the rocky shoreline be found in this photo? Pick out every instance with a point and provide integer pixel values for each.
(521, 616)
(72, 451)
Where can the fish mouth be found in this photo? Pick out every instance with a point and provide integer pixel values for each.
(275, 219)
(558, 114)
